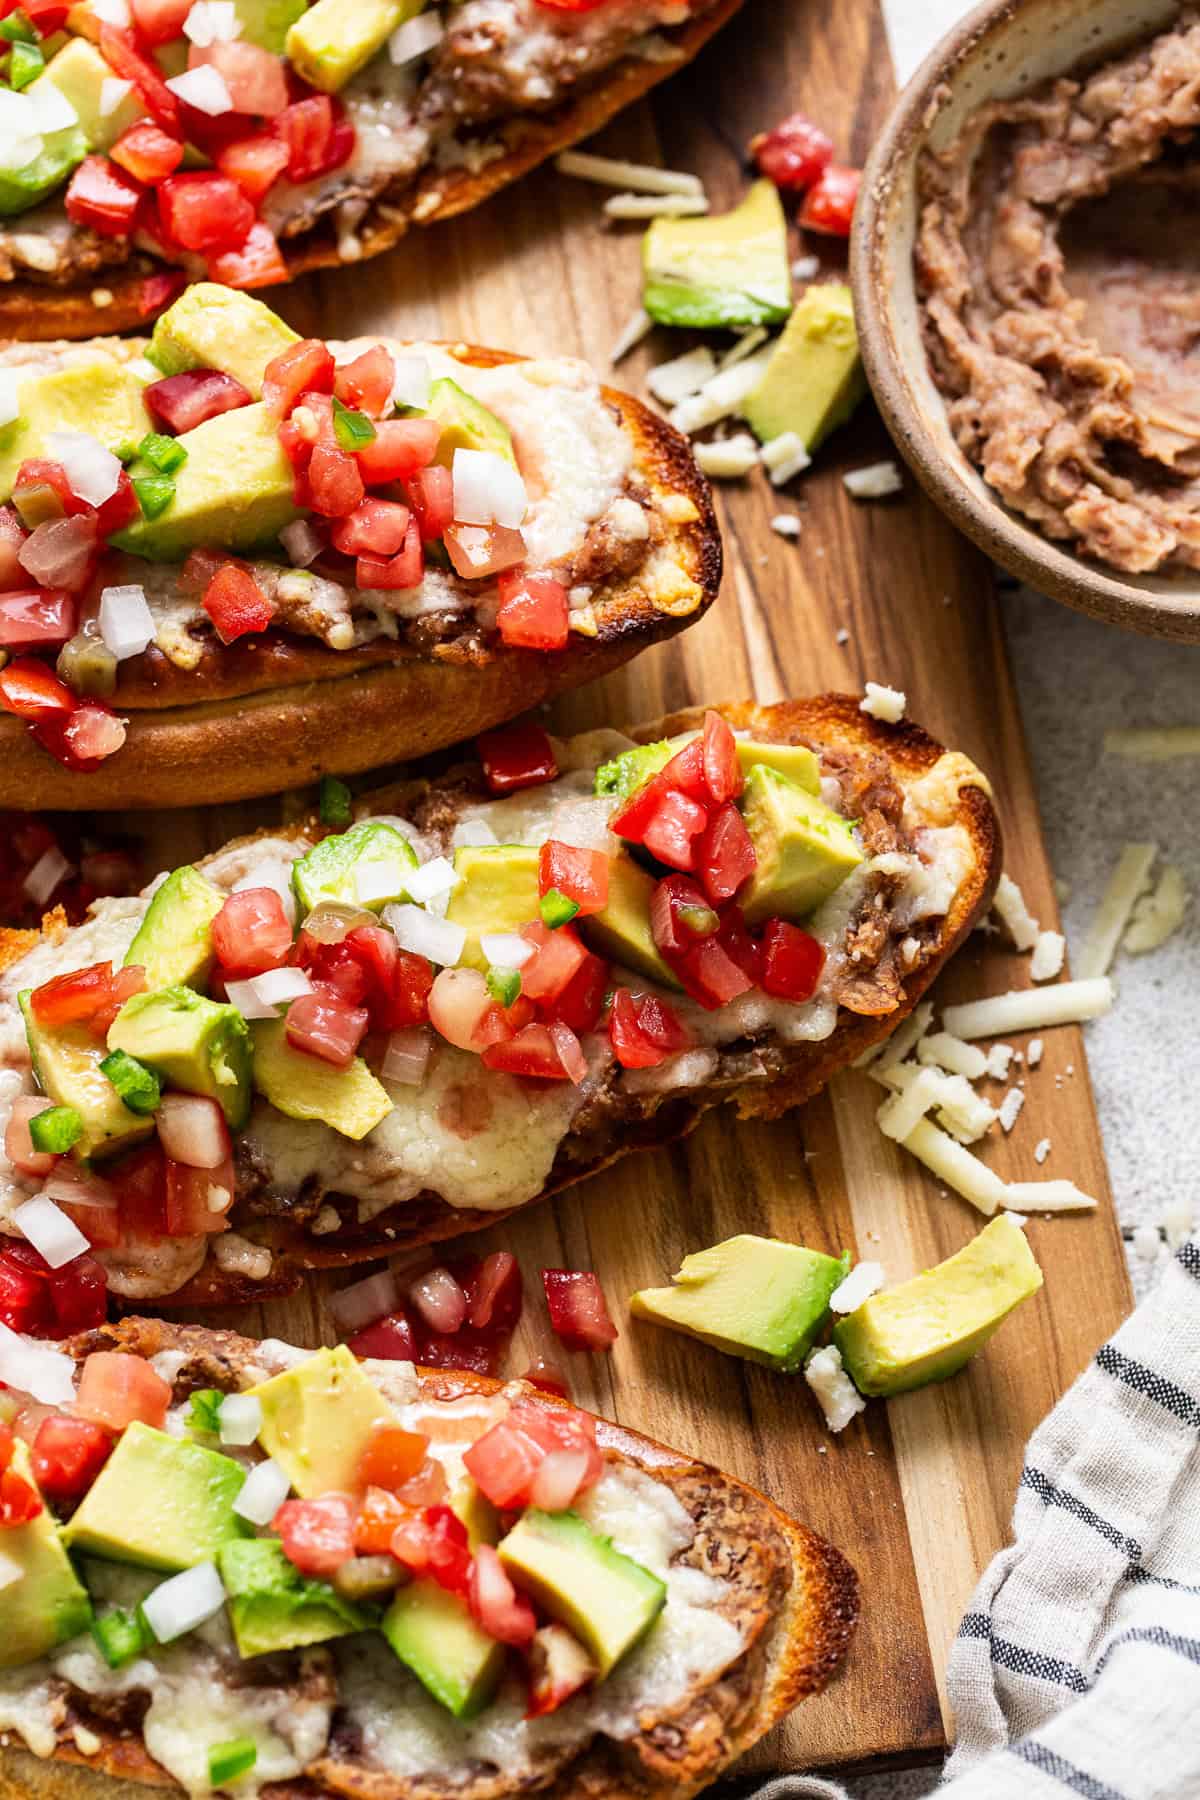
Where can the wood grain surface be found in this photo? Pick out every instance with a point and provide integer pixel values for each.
(917, 1492)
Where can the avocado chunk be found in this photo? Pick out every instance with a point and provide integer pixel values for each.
(300, 1086)
(214, 327)
(235, 490)
(730, 270)
(805, 850)
(435, 1636)
(58, 153)
(95, 394)
(626, 773)
(466, 424)
(79, 72)
(476, 1511)
(199, 1045)
(66, 1061)
(606, 1599)
(928, 1328)
(48, 1604)
(267, 22)
(365, 866)
(160, 1502)
(334, 39)
(622, 930)
(749, 1296)
(317, 1419)
(815, 378)
(174, 941)
(497, 892)
(272, 1606)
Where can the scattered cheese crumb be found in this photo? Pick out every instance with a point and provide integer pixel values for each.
(1147, 1245)
(655, 206)
(1018, 1218)
(1157, 916)
(785, 457)
(842, 637)
(683, 376)
(1049, 1196)
(1031, 1009)
(898, 1117)
(1010, 1108)
(886, 703)
(787, 525)
(612, 171)
(875, 482)
(1155, 744)
(839, 1398)
(1041, 1150)
(953, 1054)
(238, 1256)
(726, 393)
(749, 341)
(1048, 955)
(638, 327)
(1016, 918)
(327, 1220)
(863, 1281)
(727, 459)
(1129, 880)
(86, 1742)
(1033, 1052)
(998, 1059)
(1178, 1223)
(805, 268)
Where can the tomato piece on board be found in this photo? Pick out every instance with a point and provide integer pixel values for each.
(115, 1389)
(582, 875)
(725, 854)
(519, 756)
(534, 613)
(251, 933)
(495, 1605)
(181, 402)
(200, 210)
(255, 162)
(323, 1025)
(147, 152)
(792, 960)
(258, 262)
(794, 153)
(391, 1456)
(578, 1310)
(317, 1535)
(829, 203)
(494, 1293)
(68, 1454)
(102, 198)
(236, 604)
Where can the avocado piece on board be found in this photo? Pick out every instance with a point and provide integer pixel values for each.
(199, 1045)
(174, 940)
(161, 1502)
(59, 153)
(815, 378)
(365, 866)
(605, 1598)
(334, 39)
(730, 270)
(79, 72)
(626, 773)
(267, 22)
(95, 394)
(317, 1418)
(66, 1061)
(749, 1296)
(272, 1606)
(622, 930)
(805, 850)
(434, 1635)
(467, 424)
(497, 892)
(48, 1604)
(214, 327)
(928, 1328)
(234, 491)
(349, 1100)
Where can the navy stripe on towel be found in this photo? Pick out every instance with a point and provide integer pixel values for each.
(1159, 1637)
(1050, 1763)
(1143, 1380)
(1049, 1495)
(1020, 1661)
(1188, 1257)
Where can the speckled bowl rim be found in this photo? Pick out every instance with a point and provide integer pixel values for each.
(895, 360)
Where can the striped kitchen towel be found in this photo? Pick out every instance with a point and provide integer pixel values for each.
(1077, 1668)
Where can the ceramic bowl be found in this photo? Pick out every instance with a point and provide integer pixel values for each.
(1001, 48)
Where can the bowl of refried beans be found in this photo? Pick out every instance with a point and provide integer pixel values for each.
(1026, 268)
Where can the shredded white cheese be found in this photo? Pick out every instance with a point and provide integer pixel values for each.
(611, 171)
(1154, 744)
(875, 482)
(1048, 1196)
(839, 1398)
(895, 1048)
(1048, 954)
(941, 1047)
(998, 1059)
(726, 393)
(865, 1279)
(898, 1117)
(683, 376)
(1016, 918)
(742, 348)
(886, 703)
(640, 325)
(1129, 880)
(1157, 916)
(655, 206)
(1034, 1009)
(957, 1167)
(728, 459)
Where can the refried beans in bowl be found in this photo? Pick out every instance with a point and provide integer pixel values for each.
(1058, 272)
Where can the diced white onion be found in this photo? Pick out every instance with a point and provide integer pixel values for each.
(263, 1492)
(472, 831)
(417, 931)
(277, 986)
(113, 91)
(412, 379)
(416, 37)
(212, 22)
(191, 1129)
(45, 1375)
(92, 471)
(242, 995)
(240, 1418)
(505, 949)
(204, 88)
(302, 541)
(78, 1189)
(49, 1230)
(52, 111)
(10, 395)
(185, 1601)
(488, 490)
(126, 622)
(375, 881)
(45, 875)
(364, 1301)
(407, 1056)
(431, 879)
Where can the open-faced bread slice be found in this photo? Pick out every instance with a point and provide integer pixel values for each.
(468, 1144)
(759, 1615)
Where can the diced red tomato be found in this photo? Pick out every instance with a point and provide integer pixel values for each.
(683, 777)
(124, 985)
(366, 383)
(255, 78)
(644, 1030)
(430, 490)
(255, 162)
(120, 52)
(401, 981)
(533, 612)
(680, 914)
(390, 1339)
(739, 943)
(258, 262)
(102, 198)
(559, 1666)
(581, 875)
(533, 1052)
(725, 854)
(140, 1180)
(335, 486)
(147, 152)
(495, 1605)
(722, 770)
(391, 1456)
(181, 402)
(581, 1003)
(197, 1200)
(84, 738)
(120, 509)
(479, 551)
(336, 966)
(251, 933)
(70, 1299)
(72, 998)
(375, 528)
(829, 203)
(157, 292)
(557, 959)
(323, 1025)
(434, 1543)
(306, 367)
(503, 1463)
(24, 1296)
(32, 691)
(46, 16)
(236, 604)
(520, 756)
(573, 6)
(794, 153)
(578, 1310)
(317, 1535)
(378, 1517)
(19, 1501)
(792, 960)
(711, 975)
(670, 834)
(116, 1388)
(68, 1454)
(397, 573)
(200, 210)
(318, 135)
(159, 21)
(38, 619)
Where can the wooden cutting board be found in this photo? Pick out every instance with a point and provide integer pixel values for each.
(918, 1492)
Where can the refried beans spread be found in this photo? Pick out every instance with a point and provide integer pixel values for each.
(1058, 258)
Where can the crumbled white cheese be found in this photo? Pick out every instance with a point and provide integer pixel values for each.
(1033, 1052)
(1016, 918)
(728, 459)
(785, 457)
(865, 1279)
(1147, 1244)
(238, 1256)
(900, 1115)
(941, 1047)
(886, 703)
(841, 637)
(1031, 1009)
(1017, 1218)
(875, 482)
(1048, 955)
(787, 525)
(1010, 1108)
(1157, 916)
(726, 393)
(683, 376)
(1128, 882)
(806, 268)
(328, 1219)
(998, 1059)
(840, 1400)
(1041, 1150)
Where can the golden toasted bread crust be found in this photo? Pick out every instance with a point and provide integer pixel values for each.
(34, 311)
(799, 1603)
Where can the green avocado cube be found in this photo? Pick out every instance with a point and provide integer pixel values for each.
(434, 1635)
(621, 931)
(95, 393)
(815, 379)
(731, 270)
(497, 892)
(334, 39)
(79, 72)
(174, 941)
(23, 185)
(467, 424)
(928, 1328)
(67, 1062)
(317, 1419)
(267, 22)
(272, 1606)
(214, 327)
(753, 1297)
(48, 1604)
(368, 865)
(605, 1598)
(626, 773)
(160, 1502)
(805, 850)
(202, 1046)
(350, 1100)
